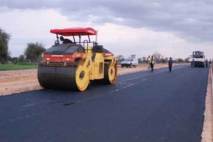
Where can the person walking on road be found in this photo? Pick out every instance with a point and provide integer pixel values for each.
(170, 62)
(152, 63)
(206, 63)
(148, 61)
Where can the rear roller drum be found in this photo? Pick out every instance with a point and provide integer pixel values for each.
(110, 73)
(81, 78)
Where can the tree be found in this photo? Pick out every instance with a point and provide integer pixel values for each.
(187, 60)
(132, 56)
(34, 51)
(14, 60)
(142, 60)
(180, 60)
(4, 39)
(21, 58)
(120, 58)
(157, 56)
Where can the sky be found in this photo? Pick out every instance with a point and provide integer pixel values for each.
(141, 27)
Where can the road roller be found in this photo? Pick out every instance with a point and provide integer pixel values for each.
(75, 60)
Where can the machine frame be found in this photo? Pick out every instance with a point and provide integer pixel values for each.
(76, 70)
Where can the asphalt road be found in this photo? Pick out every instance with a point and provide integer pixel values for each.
(142, 107)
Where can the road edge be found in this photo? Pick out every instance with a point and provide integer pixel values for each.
(37, 87)
(207, 133)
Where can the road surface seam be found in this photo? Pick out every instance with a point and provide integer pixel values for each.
(207, 133)
(137, 79)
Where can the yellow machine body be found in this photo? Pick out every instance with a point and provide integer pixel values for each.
(93, 66)
(73, 65)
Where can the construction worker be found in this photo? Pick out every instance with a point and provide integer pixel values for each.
(206, 63)
(148, 62)
(210, 62)
(170, 62)
(152, 63)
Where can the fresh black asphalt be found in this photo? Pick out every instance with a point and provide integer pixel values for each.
(142, 107)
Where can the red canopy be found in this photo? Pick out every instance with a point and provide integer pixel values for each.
(74, 31)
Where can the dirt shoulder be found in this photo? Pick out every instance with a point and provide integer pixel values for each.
(26, 80)
(18, 81)
(207, 134)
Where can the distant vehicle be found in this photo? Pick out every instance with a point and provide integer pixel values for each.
(198, 59)
(129, 62)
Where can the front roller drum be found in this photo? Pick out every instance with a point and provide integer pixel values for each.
(74, 78)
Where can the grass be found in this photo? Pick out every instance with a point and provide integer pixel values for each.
(19, 66)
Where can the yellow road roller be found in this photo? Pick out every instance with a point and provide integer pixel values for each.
(74, 63)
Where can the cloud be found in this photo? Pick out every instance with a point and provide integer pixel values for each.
(142, 27)
(127, 40)
(26, 26)
(191, 19)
